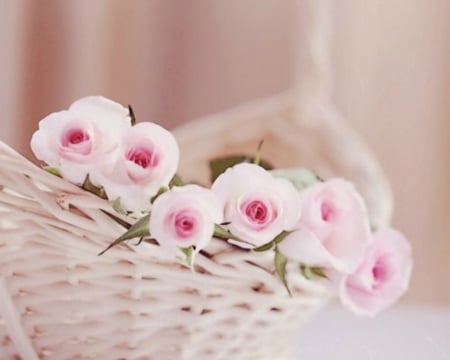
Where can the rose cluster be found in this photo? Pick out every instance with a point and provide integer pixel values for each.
(324, 227)
(94, 139)
(321, 225)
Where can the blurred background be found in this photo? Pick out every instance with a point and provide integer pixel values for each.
(177, 60)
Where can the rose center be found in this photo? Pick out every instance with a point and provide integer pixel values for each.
(327, 211)
(144, 157)
(75, 137)
(379, 273)
(257, 212)
(184, 224)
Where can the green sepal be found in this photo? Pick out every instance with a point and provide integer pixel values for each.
(311, 271)
(222, 233)
(306, 272)
(189, 259)
(220, 165)
(281, 237)
(118, 220)
(161, 191)
(265, 247)
(118, 208)
(257, 158)
(96, 190)
(176, 181)
(138, 230)
(131, 115)
(53, 171)
(301, 178)
(280, 268)
(318, 271)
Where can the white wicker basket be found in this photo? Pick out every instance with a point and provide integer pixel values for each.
(59, 300)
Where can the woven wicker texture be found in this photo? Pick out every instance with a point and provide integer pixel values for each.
(59, 300)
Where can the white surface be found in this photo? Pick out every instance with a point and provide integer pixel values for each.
(411, 333)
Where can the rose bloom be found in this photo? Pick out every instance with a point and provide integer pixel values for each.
(76, 140)
(257, 205)
(147, 160)
(333, 230)
(382, 277)
(184, 217)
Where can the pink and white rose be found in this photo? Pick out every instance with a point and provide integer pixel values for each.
(333, 230)
(382, 278)
(147, 160)
(79, 139)
(258, 206)
(184, 217)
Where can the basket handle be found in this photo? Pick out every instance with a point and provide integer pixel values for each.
(313, 78)
(312, 86)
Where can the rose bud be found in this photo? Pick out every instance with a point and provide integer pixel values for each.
(185, 217)
(147, 160)
(79, 139)
(257, 206)
(382, 278)
(333, 230)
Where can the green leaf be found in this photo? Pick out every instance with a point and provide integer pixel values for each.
(257, 158)
(53, 171)
(138, 230)
(306, 272)
(265, 247)
(176, 181)
(220, 165)
(222, 233)
(310, 272)
(301, 178)
(318, 271)
(161, 191)
(117, 206)
(189, 260)
(131, 115)
(118, 220)
(280, 267)
(281, 237)
(89, 186)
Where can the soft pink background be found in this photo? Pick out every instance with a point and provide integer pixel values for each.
(177, 60)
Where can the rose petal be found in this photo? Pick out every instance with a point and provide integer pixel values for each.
(303, 246)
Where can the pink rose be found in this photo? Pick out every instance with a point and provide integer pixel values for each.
(382, 277)
(147, 160)
(257, 205)
(333, 230)
(184, 217)
(77, 140)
